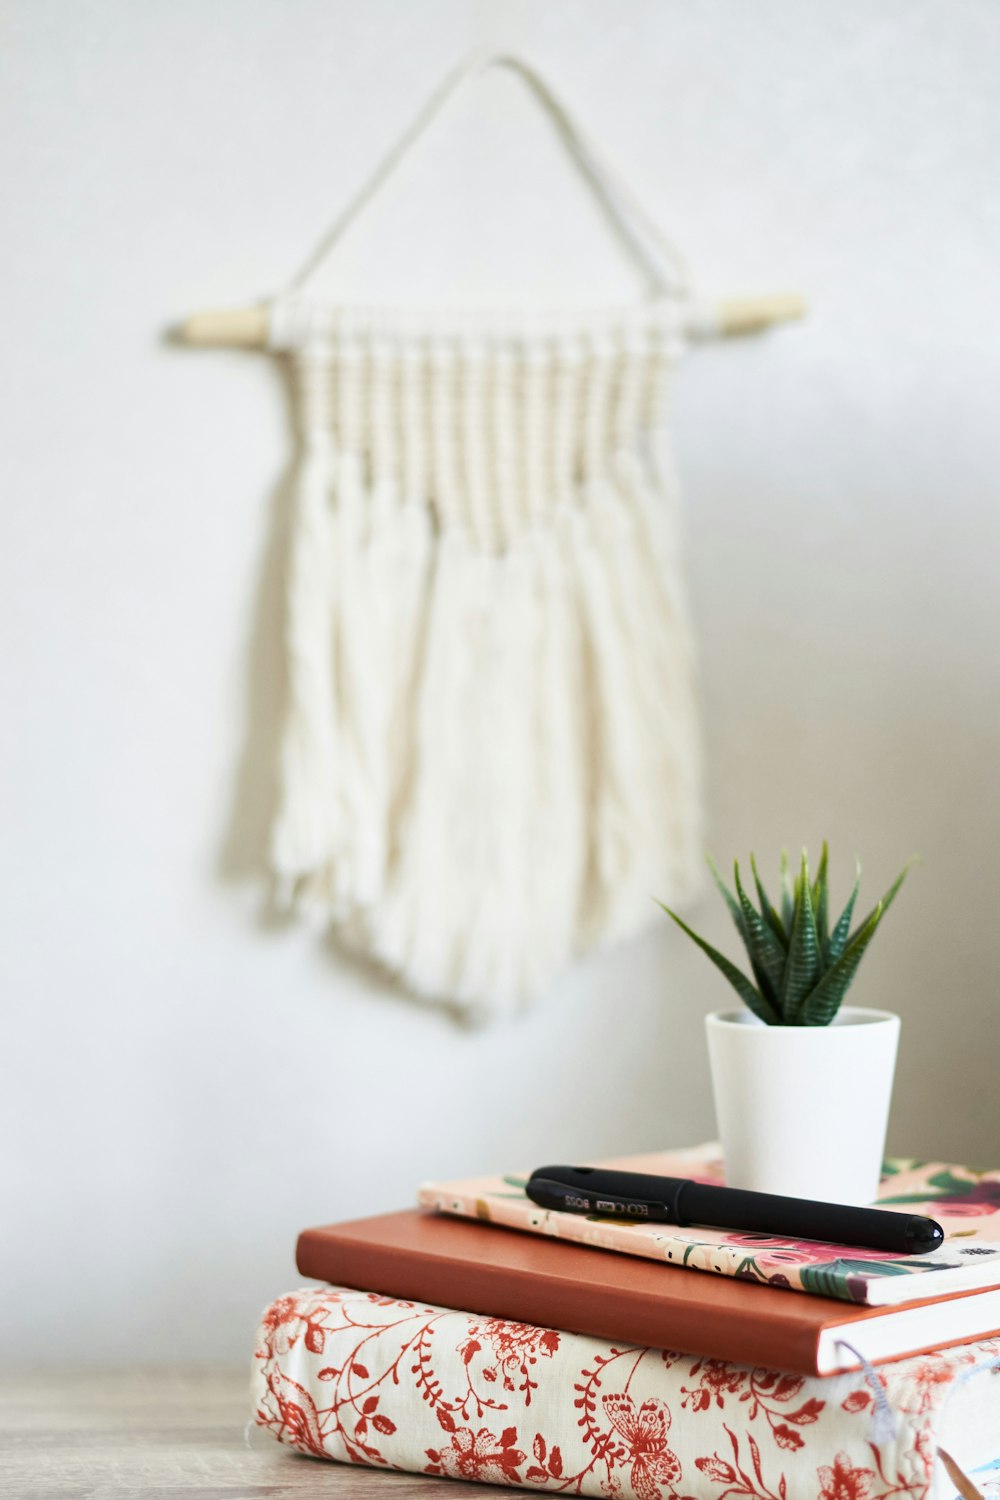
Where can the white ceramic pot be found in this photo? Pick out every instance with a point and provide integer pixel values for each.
(803, 1110)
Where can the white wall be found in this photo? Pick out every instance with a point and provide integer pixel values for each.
(187, 1084)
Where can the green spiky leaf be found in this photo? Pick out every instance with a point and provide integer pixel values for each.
(727, 896)
(747, 992)
(768, 912)
(823, 1003)
(821, 901)
(838, 937)
(787, 895)
(803, 965)
(766, 953)
(889, 896)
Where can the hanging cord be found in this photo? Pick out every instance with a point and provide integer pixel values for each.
(646, 245)
(884, 1426)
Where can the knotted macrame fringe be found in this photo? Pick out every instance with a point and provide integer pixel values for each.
(490, 757)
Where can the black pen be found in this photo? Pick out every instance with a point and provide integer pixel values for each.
(641, 1197)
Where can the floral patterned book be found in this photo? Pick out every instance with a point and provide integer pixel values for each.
(367, 1379)
(966, 1203)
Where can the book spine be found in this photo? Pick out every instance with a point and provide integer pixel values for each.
(370, 1379)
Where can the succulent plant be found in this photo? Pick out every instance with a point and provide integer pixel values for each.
(801, 966)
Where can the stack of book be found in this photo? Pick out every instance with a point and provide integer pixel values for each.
(481, 1337)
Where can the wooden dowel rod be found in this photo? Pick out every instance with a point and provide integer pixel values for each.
(247, 327)
(241, 327)
(738, 315)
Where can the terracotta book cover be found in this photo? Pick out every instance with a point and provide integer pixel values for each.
(480, 1268)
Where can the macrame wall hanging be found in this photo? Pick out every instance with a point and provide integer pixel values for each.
(490, 759)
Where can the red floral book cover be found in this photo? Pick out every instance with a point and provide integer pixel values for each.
(965, 1202)
(372, 1380)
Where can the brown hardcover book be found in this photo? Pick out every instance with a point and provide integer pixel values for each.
(480, 1268)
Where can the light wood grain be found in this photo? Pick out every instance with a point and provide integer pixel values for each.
(180, 1435)
(168, 1435)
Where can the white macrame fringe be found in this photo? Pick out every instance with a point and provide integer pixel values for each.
(490, 760)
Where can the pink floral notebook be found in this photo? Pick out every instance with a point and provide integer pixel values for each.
(966, 1204)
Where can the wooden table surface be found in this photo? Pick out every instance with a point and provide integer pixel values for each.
(179, 1435)
(168, 1435)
